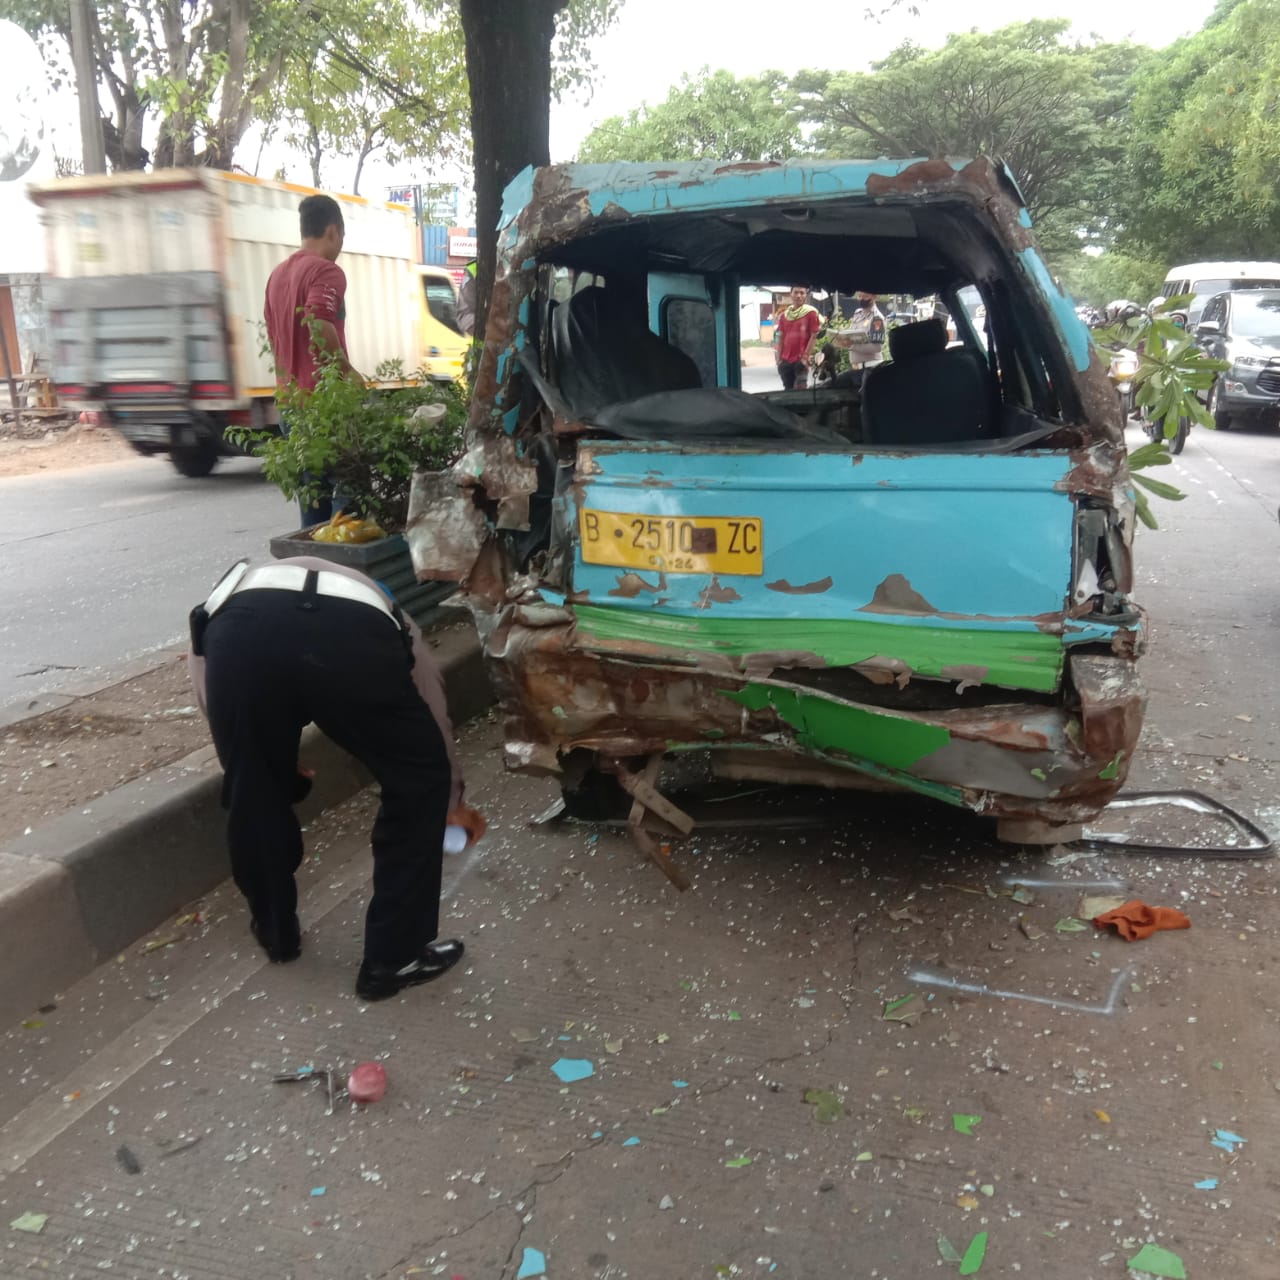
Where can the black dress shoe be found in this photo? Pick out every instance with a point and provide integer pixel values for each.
(283, 943)
(377, 983)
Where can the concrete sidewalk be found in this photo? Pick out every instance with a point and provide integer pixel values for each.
(78, 888)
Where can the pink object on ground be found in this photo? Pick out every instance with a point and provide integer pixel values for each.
(367, 1082)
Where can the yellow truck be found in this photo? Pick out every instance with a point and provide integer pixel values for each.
(444, 347)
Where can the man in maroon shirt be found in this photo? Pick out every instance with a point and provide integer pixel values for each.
(307, 292)
(795, 332)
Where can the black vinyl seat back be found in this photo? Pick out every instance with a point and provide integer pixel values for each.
(928, 394)
(606, 354)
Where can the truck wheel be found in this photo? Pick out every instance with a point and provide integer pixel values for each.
(194, 460)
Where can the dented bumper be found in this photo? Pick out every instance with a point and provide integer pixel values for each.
(1058, 761)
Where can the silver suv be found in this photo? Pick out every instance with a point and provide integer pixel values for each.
(1243, 327)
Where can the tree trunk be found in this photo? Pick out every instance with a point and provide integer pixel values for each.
(83, 56)
(314, 151)
(508, 45)
(367, 147)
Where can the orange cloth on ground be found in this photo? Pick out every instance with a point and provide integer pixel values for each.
(1137, 920)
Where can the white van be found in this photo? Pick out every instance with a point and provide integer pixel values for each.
(1204, 279)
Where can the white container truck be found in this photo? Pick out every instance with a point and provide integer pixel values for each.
(155, 299)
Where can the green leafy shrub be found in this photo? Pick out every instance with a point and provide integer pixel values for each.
(366, 440)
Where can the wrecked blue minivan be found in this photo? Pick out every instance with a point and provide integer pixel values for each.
(918, 578)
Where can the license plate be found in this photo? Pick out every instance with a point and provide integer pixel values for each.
(673, 544)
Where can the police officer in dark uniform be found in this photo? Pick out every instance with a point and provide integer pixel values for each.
(301, 640)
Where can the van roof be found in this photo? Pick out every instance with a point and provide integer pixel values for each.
(1224, 269)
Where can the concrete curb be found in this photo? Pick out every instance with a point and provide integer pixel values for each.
(77, 890)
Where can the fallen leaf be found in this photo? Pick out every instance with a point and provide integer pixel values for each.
(738, 1162)
(904, 1009)
(915, 1114)
(613, 1046)
(1102, 1115)
(522, 1035)
(965, 1124)
(32, 1223)
(947, 1251)
(971, 1263)
(734, 1016)
(663, 1037)
(826, 1105)
(1069, 924)
(987, 1189)
(33, 1024)
(967, 1202)
(156, 943)
(1217, 1066)
(1156, 1261)
(862, 1157)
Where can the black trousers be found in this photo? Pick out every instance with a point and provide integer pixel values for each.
(276, 661)
(794, 374)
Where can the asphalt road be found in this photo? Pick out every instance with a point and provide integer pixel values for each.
(100, 566)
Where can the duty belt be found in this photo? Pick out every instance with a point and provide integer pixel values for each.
(293, 577)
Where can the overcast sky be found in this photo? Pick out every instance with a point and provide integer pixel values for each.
(655, 41)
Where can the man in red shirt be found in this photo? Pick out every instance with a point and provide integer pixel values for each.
(308, 291)
(795, 332)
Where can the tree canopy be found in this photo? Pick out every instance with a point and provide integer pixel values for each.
(1204, 152)
(185, 79)
(712, 115)
(1051, 108)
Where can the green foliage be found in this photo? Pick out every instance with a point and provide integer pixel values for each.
(1172, 375)
(368, 441)
(374, 76)
(1053, 109)
(713, 115)
(1204, 155)
(350, 77)
(1099, 278)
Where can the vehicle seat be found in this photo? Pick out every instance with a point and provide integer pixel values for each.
(927, 394)
(605, 354)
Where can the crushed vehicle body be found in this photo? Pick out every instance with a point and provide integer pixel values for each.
(917, 577)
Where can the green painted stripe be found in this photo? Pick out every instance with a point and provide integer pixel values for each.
(1013, 659)
(822, 725)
